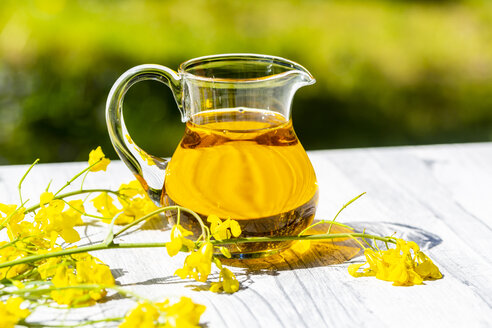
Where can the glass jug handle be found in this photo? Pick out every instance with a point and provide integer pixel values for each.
(148, 169)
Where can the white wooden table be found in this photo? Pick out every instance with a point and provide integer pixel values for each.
(439, 196)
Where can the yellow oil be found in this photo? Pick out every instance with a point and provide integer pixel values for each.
(247, 165)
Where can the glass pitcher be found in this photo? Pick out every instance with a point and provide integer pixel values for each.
(239, 157)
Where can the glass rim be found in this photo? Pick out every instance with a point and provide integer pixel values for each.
(292, 67)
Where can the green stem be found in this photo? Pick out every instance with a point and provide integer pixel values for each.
(326, 236)
(358, 242)
(143, 218)
(325, 221)
(72, 193)
(24, 275)
(332, 222)
(81, 324)
(344, 206)
(77, 175)
(10, 243)
(160, 210)
(87, 214)
(83, 180)
(37, 290)
(48, 186)
(19, 187)
(34, 258)
(100, 246)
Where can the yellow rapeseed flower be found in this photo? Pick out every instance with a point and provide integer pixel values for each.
(45, 198)
(131, 189)
(227, 282)
(74, 213)
(48, 267)
(16, 217)
(16, 214)
(178, 239)
(198, 264)
(225, 252)
(6, 210)
(88, 270)
(11, 312)
(65, 277)
(134, 209)
(144, 315)
(56, 222)
(11, 253)
(183, 314)
(95, 156)
(104, 205)
(223, 229)
(16, 226)
(133, 200)
(27, 229)
(404, 265)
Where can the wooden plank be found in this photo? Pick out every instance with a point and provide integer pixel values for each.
(437, 195)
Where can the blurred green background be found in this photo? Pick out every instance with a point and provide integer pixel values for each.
(388, 72)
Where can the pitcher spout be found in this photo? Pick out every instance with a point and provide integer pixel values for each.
(297, 78)
(303, 76)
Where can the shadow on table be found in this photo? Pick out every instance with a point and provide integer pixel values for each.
(158, 222)
(425, 239)
(303, 254)
(309, 254)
